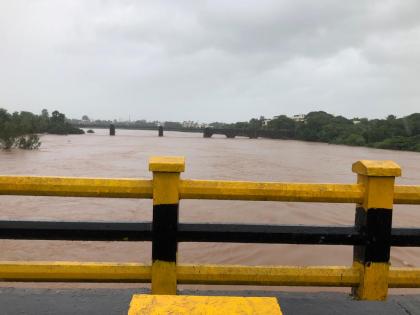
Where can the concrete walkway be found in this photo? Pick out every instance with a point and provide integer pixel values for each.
(116, 301)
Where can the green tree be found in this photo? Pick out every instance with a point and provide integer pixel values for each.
(20, 129)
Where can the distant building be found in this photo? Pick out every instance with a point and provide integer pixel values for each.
(299, 118)
(266, 121)
(193, 124)
(85, 120)
(189, 124)
(356, 121)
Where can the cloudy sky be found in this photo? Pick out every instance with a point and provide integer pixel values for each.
(210, 60)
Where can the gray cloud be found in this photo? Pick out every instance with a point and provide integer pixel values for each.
(210, 60)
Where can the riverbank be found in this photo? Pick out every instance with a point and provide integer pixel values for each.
(397, 143)
(390, 133)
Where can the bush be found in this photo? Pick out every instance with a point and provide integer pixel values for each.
(26, 142)
(19, 129)
(400, 143)
(354, 139)
(30, 142)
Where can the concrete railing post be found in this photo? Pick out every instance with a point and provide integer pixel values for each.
(166, 175)
(374, 220)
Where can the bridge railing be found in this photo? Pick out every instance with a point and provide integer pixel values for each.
(372, 236)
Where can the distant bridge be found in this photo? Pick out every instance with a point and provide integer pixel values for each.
(249, 133)
(208, 132)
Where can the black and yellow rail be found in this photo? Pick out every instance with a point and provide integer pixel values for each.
(372, 236)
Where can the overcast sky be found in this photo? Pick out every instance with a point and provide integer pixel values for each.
(210, 60)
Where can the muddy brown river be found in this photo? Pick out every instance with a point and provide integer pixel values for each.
(126, 156)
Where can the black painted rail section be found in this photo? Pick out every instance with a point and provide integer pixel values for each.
(76, 231)
(194, 232)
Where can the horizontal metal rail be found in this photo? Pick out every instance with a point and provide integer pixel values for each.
(335, 276)
(64, 271)
(407, 195)
(404, 277)
(75, 187)
(196, 189)
(76, 231)
(187, 232)
(199, 232)
(270, 276)
(230, 190)
(269, 234)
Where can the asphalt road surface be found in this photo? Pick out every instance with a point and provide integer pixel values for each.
(116, 301)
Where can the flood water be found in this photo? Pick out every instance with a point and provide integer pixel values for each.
(126, 156)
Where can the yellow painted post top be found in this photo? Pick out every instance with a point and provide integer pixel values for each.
(378, 178)
(202, 305)
(167, 164)
(376, 168)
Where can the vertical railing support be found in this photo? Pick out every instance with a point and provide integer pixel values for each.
(166, 175)
(374, 220)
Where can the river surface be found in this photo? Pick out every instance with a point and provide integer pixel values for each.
(126, 156)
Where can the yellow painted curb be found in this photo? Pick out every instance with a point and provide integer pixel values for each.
(202, 305)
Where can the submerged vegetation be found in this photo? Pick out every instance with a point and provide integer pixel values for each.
(390, 133)
(20, 130)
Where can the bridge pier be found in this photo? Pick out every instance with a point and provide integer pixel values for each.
(112, 130)
(230, 134)
(253, 134)
(207, 133)
(160, 131)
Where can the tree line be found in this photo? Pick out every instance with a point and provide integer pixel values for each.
(21, 129)
(390, 133)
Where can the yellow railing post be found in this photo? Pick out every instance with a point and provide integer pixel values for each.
(374, 219)
(166, 176)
